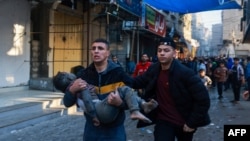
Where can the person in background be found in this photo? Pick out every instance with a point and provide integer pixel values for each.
(130, 66)
(229, 65)
(237, 79)
(205, 79)
(209, 71)
(182, 97)
(202, 65)
(75, 70)
(247, 74)
(193, 63)
(142, 66)
(154, 59)
(220, 74)
(247, 77)
(214, 66)
(115, 60)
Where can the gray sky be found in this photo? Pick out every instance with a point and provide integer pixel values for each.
(211, 17)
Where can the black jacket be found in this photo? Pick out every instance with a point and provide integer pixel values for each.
(189, 93)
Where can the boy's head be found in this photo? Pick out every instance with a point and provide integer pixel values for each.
(236, 60)
(62, 80)
(222, 63)
(202, 72)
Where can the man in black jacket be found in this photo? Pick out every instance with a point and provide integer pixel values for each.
(183, 99)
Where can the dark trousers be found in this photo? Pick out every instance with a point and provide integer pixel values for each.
(227, 83)
(213, 80)
(219, 88)
(248, 84)
(165, 131)
(236, 85)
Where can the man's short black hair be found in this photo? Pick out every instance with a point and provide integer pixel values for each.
(144, 54)
(236, 59)
(101, 40)
(222, 62)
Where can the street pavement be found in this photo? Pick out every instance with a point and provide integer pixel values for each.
(70, 127)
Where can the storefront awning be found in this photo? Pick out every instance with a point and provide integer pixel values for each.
(193, 6)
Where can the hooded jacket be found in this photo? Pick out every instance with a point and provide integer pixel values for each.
(105, 82)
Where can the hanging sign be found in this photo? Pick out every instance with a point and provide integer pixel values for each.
(153, 20)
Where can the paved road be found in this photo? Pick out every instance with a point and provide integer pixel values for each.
(70, 127)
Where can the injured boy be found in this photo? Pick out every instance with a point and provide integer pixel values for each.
(99, 110)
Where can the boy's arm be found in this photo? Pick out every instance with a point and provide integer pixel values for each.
(70, 96)
(69, 99)
(209, 81)
(115, 99)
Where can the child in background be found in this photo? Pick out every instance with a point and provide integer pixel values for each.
(221, 75)
(204, 78)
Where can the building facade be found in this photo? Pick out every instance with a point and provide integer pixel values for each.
(216, 41)
(14, 42)
(235, 31)
(40, 38)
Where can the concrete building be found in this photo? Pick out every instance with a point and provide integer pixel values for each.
(207, 43)
(187, 32)
(216, 41)
(197, 35)
(15, 42)
(233, 31)
(245, 21)
(40, 38)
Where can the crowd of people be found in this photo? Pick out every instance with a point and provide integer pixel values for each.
(176, 91)
(224, 73)
(221, 73)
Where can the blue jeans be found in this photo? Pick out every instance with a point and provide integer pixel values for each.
(107, 113)
(236, 85)
(104, 133)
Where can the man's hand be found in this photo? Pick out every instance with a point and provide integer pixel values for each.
(77, 85)
(114, 98)
(187, 129)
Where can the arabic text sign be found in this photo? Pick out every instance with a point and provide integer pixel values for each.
(153, 20)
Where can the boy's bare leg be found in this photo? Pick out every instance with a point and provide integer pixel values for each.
(129, 96)
(138, 115)
(96, 122)
(149, 106)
